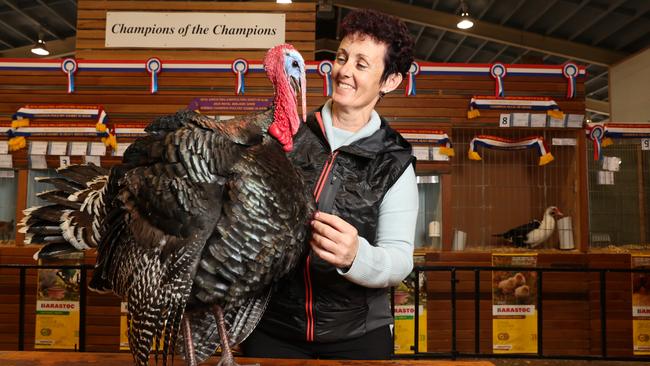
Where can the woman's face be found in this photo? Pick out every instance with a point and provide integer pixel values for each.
(356, 72)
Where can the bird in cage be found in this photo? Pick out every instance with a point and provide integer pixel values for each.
(535, 232)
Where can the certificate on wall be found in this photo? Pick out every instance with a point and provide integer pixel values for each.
(514, 299)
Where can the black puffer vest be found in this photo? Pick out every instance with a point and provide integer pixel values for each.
(314, 302)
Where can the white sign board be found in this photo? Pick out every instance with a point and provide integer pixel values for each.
(194, 30)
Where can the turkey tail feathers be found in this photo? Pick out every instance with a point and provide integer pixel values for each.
(55, 250)
(61, 184)
(82, 173)
(70, 222)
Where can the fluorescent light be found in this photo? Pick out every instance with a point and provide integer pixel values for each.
(40, 49)
(283, 1)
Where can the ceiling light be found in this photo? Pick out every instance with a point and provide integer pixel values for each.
(283, 1)
(40, 48)
(465, 21)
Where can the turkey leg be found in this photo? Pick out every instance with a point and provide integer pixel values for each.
(190, 357)
(226, 354)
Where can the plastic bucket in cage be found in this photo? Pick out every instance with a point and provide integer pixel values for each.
(434, 234)
(565, 231)
(459, 240)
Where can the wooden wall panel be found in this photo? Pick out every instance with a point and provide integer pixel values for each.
(441, 102)
(91, 23)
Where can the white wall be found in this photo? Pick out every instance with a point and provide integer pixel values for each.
(629, 89)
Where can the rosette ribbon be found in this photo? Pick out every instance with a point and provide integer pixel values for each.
(240, 68)
(154, 66)
(596, 133)
(570, 71)
(325, 71)
(498, 72)
(410, 79)
(602, 134)
(69, 67)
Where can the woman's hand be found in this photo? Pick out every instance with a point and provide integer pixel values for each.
(334, 240)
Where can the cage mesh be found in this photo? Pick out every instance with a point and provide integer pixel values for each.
(619, 209)
(509, 188)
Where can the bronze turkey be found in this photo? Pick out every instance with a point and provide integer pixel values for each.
(195, 226)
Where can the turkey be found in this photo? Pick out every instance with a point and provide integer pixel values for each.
(196, 225)
(535, 232)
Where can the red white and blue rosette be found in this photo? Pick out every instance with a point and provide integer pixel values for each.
(498, 72)
(69, 67)
(325, 71)
(240, 68)
(596, 133)
(410, 79)
(154, 66)
(570, 71)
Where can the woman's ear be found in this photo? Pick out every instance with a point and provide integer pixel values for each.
(391, 83)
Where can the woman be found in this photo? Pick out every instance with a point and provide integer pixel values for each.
(336, 304)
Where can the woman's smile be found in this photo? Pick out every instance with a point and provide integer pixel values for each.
(357, 72)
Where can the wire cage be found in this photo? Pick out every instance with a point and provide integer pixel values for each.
(429, 223)
(619, 196)
(8, 188)
(510, 188)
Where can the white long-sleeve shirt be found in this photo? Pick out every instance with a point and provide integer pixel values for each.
(391, 259)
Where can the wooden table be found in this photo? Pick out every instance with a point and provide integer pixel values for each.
(32, 358)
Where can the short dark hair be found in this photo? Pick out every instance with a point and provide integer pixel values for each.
(386, 29)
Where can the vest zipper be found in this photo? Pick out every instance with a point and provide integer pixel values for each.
(309, 296)
(329, 164)
(309, 316)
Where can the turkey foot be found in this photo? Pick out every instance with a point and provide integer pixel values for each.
(226, 354)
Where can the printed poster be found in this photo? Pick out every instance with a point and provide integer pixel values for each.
(124, 328)
(641, 305)
(514, 299)
(57, 309)
(405, 314)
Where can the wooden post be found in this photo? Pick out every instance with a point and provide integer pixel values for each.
(21, 203)
(583, 195)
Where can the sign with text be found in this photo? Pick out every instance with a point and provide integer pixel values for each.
(404, 300)
(514, 299)
(194, 30)
(217, 104)
(57, 309)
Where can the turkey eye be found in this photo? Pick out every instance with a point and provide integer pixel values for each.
(295, 64)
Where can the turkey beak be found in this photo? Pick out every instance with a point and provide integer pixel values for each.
(558, 213)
